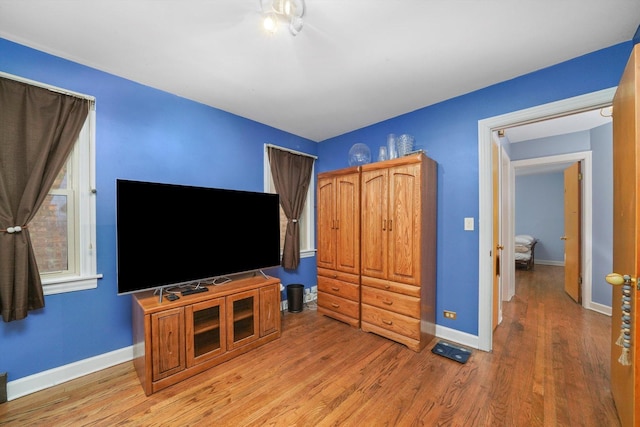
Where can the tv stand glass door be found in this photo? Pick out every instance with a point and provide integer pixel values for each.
(205, 332)
(242, 318)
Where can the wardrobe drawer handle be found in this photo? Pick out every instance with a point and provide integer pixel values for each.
(387, 302)
(335, 289)
(387, 322)
(334, 305)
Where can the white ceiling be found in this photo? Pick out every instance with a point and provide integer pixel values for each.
(355, 63)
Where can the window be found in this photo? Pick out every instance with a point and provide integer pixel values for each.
(307, 224)
(63, 230)
(52, 228)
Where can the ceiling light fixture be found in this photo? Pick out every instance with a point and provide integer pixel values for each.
(282, 12)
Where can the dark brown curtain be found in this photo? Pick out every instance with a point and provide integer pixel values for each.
(38, 128)
(291, 176)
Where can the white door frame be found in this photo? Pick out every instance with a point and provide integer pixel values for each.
(506, 275)
(589, 101)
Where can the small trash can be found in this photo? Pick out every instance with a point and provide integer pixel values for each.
(295, 295)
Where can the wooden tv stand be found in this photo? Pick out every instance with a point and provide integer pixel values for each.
(174, 340)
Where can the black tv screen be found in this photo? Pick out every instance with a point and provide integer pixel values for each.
(173, 234)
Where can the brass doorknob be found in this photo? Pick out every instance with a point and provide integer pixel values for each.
(499, 247)
(616, 279)
(563, 238)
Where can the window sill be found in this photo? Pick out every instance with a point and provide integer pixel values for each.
(70, 284)
(308, 253)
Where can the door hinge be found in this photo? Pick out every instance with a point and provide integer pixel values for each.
(580, 280)
(580, 176)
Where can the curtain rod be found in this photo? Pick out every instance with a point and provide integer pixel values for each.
(92, 99)
(291, 151)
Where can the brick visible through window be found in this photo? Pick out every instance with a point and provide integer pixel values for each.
(50, 228)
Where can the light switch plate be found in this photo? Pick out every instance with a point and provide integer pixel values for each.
(468, 224)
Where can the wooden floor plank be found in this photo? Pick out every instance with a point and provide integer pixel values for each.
(549, 367)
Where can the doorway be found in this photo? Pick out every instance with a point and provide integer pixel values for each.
(591, 101)
(557, 164)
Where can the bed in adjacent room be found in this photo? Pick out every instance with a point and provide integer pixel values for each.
(525, 251)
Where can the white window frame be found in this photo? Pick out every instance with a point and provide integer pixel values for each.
(82, 273)
(308, 212)
(82, 250)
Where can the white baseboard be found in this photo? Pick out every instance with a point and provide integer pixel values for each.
(42, 380)
(458, 337)
(600, 308)
(549, 262)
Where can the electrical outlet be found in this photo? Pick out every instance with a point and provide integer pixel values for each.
(449, 314)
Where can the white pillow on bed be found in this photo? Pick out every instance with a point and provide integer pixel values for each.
(524, 239)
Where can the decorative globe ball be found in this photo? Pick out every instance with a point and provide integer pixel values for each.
(359, 154)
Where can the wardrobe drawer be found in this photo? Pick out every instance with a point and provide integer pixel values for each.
(338, 288)
(387, 285)
(339, 275)
(385, 319)
(339, 305)
(398, 303)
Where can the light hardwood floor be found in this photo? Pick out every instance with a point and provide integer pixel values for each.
(549, 367)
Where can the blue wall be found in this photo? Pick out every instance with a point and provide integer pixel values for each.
(540, 213)
(449, 132)
(602, 233)
(143, 134)
(147, 134)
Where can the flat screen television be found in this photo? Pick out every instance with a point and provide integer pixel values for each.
(171, 235)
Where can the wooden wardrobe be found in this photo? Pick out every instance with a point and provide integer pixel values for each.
(390, 233)
(338, 236)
